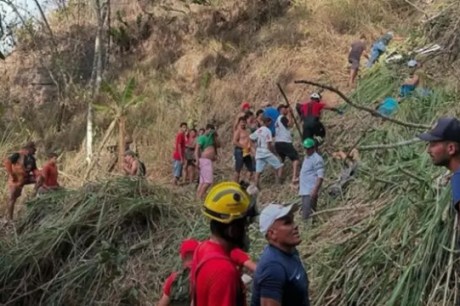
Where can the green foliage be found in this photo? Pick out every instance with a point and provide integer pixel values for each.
(121, 100)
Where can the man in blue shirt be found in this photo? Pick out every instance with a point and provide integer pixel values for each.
(444, 149)
(272, 113)
(280, 278)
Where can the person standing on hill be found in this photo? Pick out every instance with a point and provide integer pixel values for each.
(22, 170)
(311, 178)
(265, 152)
(179, 153)
(205, 154)
(272, 113)
(358, 48)
(280, 278)
(48, 180)
(242, 150)
(310, 112)
(190, 163)
(245, 108)
(444, 149)
(283, 140)
(215, 277)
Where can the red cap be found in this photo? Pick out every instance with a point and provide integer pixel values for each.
(245, 105)
(187, 246)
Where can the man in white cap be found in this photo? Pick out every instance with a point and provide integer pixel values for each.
(280, 278)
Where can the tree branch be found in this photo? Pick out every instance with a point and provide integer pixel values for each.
(389, 146)
(363, 108)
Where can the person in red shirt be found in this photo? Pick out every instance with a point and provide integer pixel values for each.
(48, 180)
(215, 278)
(179, 153)
(310, 112)
(186, 250)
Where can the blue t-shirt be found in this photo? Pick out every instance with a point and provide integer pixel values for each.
(273, 114)
(455, 183)
(280, 276)
(388, 106)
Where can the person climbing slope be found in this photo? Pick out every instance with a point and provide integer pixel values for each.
(411, 83)
(358, 49)
(310, 112)
(132, 166)
(22, 170)
(379, 47)
(215, 278)
(205, 155)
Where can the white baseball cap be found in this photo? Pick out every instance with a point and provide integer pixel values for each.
(271, 213)
(412, 63)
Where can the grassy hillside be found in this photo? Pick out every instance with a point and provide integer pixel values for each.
(387, 240)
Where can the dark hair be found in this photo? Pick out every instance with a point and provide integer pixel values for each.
(29, 146)
(130, 153)
(210, 126)
(193, 130)
(363, 36)
(52, 154)
(248, 114)
(281, 106)
(183, 124)
(266, 119)
(260, 111)
(201, 130)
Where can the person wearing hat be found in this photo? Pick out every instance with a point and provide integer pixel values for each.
(215, 278)
(22, 170)
(310, 113)
(379, 47)
(280, 278)
(444, 150)
(176, 287)
(244, 109)
(311, 178)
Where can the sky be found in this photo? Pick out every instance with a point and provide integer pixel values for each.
(28, 9)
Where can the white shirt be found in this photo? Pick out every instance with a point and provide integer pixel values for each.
(312, 169)
(283, 134)
(263, 136)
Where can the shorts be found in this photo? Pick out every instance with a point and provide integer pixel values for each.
(206, 171)
(189, 154)
(286, 149)
(241, 161)
(272, 160)
(308, 206)
(177, 168)
(354, 63)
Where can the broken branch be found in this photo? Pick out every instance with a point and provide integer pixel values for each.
(363, 108)
(389, 146)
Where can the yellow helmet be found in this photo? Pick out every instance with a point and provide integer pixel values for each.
(226, 202)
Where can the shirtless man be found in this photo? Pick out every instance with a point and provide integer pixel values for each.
(245, 108)
(205, 154)
(22, 170)
(131, 164)
(242, 150)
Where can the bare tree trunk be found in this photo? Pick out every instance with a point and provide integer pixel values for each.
(121, 140)
(96, 76)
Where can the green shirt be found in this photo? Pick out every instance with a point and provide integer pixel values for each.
(205, 141)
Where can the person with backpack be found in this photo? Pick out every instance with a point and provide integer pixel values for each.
(215, 278)
(176, 289)
(310, 112)
(22, 170)
(132, 165)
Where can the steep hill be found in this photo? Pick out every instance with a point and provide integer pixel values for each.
(386, 240)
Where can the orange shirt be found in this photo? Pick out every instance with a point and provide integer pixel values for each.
(50, 175)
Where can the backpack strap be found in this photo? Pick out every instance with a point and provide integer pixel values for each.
(205, 259)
